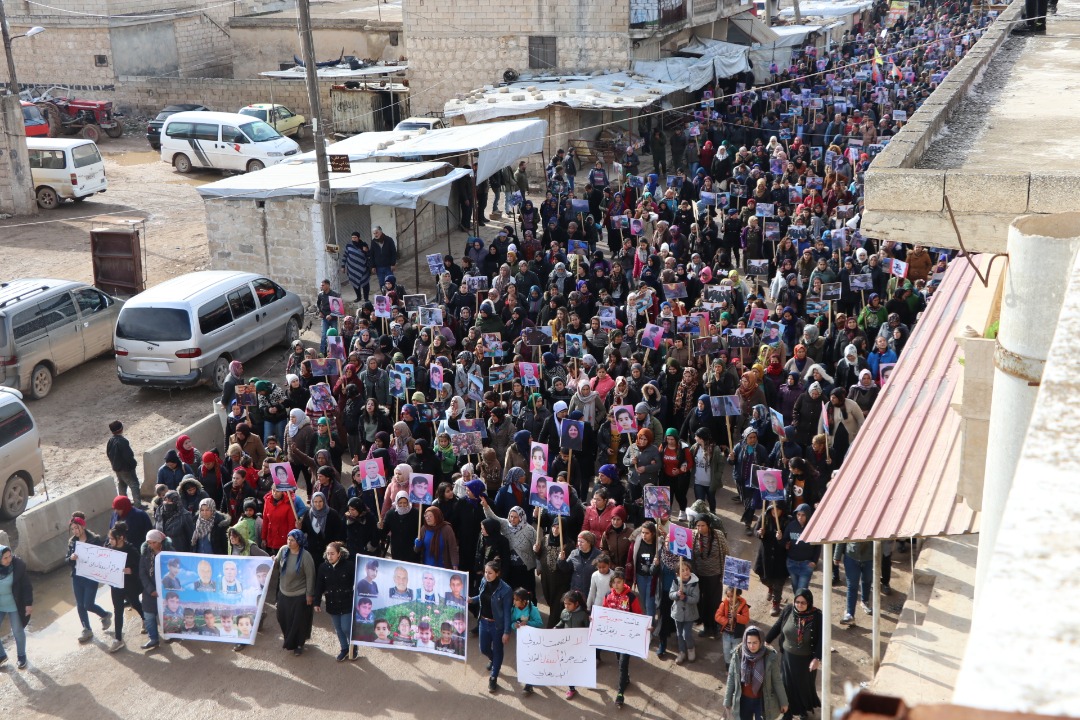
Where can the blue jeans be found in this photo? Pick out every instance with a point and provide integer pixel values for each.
(326, 325)
(86, 599)
(702, 492)
(381, 273)
(150, 619)
(855, 571)
(751, 708)
(491, 645)
(342, 625)
(800, 572)
(277, 429)
(648, 599)
(684, 633)
(18, 631)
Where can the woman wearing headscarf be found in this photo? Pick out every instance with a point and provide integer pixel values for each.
(514, 491)
(754, 688)
(517, 455)
(234, 378)
(210, 535)
(296, 592)
(402, 443)
(799, 632)
(298, 437)
(864, 392)
(321, 526)
(399, 523)
(436, 543)
(751, 395)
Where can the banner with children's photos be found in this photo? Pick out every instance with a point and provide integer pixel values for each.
(408, 606)
(211, 597)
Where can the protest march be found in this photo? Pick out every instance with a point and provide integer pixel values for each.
(544, 459)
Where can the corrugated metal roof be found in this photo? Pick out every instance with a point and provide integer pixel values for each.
(900, 476)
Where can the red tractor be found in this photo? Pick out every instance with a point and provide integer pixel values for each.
(69, 116)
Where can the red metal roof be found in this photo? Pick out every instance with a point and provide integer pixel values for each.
(900, 476)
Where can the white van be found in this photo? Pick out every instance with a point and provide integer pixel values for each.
(185, 331)
(223, 141)
(65, 170)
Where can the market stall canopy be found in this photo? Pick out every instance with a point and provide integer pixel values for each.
(497, 145)
(343, 72)
(612, 91)
(747, 29)
(689, 74)
(359, 147)
(900, 476)
(728, 59)
(789, 37)
(825, 9)
(404, 185)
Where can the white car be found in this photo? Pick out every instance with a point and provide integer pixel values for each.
(65, 169)
(222, 141)
(21, 466)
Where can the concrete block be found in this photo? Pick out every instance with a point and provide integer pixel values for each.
(206, 434)
(970, 191)
(905, 190)
(43, 529)
(1053, 192)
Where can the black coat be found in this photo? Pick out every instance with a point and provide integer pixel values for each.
(333, 529)
(177, 527)
(22, 589)
(805, 415)
(403, 530)
(336, 583)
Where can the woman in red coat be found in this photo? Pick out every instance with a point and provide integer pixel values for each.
(281, 513)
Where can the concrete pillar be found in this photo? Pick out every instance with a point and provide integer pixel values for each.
(1041, 249)
(326, 263)
(17, 191)
(826, 630)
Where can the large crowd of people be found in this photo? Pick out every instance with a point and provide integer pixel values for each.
(718, 316)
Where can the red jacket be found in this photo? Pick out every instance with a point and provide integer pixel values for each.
(626, 601)
(278, 519)
(598, 523)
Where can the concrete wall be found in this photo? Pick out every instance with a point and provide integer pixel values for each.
(194, 45)
(148, 49)
(261, 43)
(457, 47)
(43, 529)
(207, 434)
(17, 189)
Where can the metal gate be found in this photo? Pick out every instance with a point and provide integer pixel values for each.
(116, 250)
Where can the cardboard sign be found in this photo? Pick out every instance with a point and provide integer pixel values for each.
(620, 631)
(100, 564)
(555, 657)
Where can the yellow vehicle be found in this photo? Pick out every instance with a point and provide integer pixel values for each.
(279, 117)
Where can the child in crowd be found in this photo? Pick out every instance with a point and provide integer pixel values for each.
(573, 616)
(622, 598)
(600, 582)
(685, 595)
(732, 628)
(525, 613)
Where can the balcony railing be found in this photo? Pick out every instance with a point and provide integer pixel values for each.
(657, 13)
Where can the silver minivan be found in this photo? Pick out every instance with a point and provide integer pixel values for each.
(48, 327)
(21, 467)
(185, 331)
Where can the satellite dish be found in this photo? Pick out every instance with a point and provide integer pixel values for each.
(510, 75)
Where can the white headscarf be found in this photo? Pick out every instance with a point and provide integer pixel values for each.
(297, 419)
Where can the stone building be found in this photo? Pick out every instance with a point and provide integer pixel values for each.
(455, 47)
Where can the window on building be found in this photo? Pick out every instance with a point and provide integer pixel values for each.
(541, 52)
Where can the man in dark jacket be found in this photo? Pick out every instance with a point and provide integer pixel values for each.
(384, 254)
(123, 463)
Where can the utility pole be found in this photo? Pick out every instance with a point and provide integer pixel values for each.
(322, 195)
(13, 82)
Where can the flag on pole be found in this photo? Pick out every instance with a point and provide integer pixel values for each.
(825, 418)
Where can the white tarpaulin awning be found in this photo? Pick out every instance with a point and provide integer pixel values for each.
(613, 91)
(688, 73)
(728, 59)
(825, 9)
(337, 71)
(385, 183)
(359, 147)
(498, 145)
